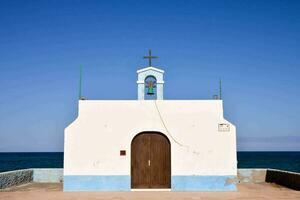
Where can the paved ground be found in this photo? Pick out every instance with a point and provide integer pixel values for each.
(38, 191)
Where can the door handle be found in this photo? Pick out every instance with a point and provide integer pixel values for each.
(149, 163)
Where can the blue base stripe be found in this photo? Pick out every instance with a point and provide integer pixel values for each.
(96, 183)
(122, 183)
(203, 183)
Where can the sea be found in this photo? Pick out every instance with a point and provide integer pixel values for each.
(289, 161)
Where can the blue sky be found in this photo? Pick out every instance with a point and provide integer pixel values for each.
(253, 45)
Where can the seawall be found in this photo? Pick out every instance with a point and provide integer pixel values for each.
(19, 177)
(55, 175)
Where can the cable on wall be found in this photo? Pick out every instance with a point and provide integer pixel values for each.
(167, 130)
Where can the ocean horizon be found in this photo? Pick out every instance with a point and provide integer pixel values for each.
(283, 160)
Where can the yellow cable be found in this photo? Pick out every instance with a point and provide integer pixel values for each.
(167, 130)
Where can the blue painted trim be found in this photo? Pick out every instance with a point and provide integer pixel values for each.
(203, 183)
(122, 183)
(96, 183)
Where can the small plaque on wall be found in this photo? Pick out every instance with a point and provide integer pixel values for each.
(224, 127)
(122, 152)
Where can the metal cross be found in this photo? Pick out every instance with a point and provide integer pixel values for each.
(150, 57)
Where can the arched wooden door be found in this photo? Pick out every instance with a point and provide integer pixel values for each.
(150, 161)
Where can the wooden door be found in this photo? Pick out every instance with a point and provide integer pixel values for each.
(160, 157)
(150, 161)
(140, 151)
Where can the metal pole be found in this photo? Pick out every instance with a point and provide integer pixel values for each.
(80, 83)
(220, 88)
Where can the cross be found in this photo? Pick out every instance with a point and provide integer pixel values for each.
(150, 57)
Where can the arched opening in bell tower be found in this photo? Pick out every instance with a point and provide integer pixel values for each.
(150, 88)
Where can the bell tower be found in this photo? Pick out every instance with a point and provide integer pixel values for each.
(150, 81)
(150, 84)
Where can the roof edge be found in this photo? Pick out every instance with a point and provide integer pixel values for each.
(150, 68)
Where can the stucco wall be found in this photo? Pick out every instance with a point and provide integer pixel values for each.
(251, 175)
(202, 156)
(103, 128)
(53, 175)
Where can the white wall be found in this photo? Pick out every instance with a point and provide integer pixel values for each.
(103, 128)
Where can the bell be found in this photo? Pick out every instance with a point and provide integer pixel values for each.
(150, 91)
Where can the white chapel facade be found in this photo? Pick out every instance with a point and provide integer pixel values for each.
(150, 143)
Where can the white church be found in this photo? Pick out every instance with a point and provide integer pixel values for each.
(150, 143)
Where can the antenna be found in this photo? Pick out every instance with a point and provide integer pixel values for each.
(80, 83)
(220, 88)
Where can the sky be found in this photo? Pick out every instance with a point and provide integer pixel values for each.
(254, 46)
